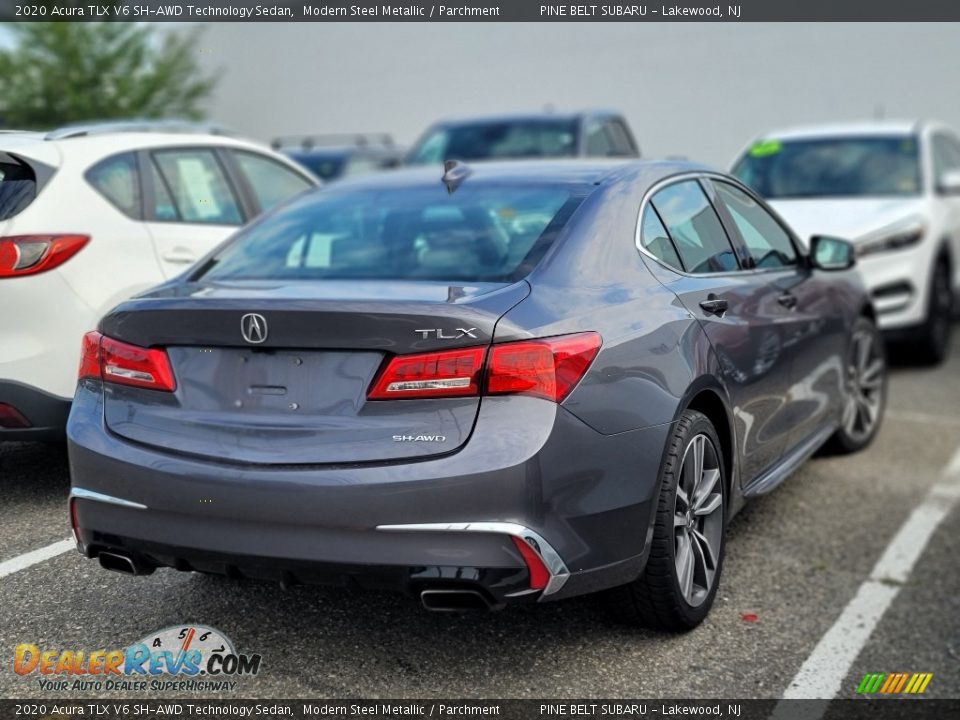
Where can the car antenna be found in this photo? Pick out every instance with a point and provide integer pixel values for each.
(454, 173)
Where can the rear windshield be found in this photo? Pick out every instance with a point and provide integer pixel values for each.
(18, 188)
(497, 140)
(494, 234)
(833, 167)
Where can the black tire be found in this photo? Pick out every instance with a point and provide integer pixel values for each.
(849, 438)
(934, 338)
(655, 599)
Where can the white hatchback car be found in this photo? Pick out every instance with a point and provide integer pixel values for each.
(89, 216)
(893, 188)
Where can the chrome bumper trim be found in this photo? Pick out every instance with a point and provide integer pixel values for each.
(550, 557)
(83, 494)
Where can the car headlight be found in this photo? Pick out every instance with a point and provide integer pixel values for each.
(895, 241)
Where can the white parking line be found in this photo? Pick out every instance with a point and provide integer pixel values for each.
(22, 562)
(822, 673)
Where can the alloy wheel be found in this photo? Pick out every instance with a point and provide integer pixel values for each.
(865, 386)
(698, 520)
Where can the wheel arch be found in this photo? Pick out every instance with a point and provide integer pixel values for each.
(707, 396)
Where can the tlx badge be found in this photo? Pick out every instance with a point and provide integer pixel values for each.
(441, 335)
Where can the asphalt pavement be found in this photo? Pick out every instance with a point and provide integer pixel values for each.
(795, 559)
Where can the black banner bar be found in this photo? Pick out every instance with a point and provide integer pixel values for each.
(190, 709)
(481, 11)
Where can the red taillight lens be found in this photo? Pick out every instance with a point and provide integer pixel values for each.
(90, 356)
(32, 254)
(450, 373)
(539, 575)
(548, 368)
(117, 362)
(11, 418)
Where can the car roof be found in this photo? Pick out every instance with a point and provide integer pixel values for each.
(41, 147)
(545, 116)
(533, 172)
(873, 128)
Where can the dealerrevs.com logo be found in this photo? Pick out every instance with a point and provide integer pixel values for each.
(179, 658)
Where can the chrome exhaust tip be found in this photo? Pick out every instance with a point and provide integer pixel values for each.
(123, 564)
(453, 600)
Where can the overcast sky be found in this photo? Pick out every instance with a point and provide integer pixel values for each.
(699, 90)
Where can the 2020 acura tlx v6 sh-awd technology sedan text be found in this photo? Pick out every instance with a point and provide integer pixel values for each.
(525, 382)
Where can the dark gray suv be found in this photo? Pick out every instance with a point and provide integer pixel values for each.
(480, 384)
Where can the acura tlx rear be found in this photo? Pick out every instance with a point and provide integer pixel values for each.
(395, 382)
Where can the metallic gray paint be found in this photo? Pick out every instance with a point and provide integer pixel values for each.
(582, 475)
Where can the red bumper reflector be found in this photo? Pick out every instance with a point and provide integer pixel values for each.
(539, 575)
(11, 418)
(74, 523)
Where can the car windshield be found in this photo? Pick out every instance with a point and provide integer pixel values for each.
(476, 234)
(494, 140)
(832, 167)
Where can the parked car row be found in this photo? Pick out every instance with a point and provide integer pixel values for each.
(89, 216)
(483, 380)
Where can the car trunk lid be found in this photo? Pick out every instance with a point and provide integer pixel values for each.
(294, 390)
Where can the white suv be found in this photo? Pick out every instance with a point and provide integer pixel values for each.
(893, 188)
(91, 215)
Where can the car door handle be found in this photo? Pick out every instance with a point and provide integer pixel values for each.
(788, 300)
(714, 305)
(180, 258)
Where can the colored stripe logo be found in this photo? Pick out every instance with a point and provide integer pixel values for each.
(894, 683)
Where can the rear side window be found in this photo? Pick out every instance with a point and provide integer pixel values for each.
(18, 188)
(197, 186)
(118, 180)
(696, 230)
(656, 240)
(271, 182)
(769, 244)
(476, 234)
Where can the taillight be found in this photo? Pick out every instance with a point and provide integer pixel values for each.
(113, 361)
(32, 254)
(450, 373)
(547, 368)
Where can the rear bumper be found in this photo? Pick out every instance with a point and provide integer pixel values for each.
(45, 413)
(531, 470)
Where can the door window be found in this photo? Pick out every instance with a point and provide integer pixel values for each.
(769, 244)
(622, 144)
(598, 142)
(272, 182)
(946, 156)
(695, 229)
(197, 187)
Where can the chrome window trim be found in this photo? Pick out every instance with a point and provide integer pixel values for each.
(698, 175)
(550, 557)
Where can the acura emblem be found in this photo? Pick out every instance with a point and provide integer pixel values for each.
(254, 328)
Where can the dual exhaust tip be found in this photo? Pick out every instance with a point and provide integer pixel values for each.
(436, 600)
(124, 564)
(449, 600)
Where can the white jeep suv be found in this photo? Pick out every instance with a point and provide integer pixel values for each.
(893, 188)
(90, 215)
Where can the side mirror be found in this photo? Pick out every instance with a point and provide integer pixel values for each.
(831, 253)
(950, 183)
